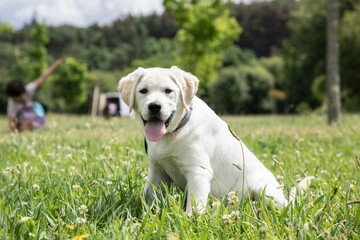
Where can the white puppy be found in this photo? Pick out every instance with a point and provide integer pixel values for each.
(188, 144)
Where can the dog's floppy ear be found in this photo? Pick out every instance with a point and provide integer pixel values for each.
(127, 86)
(187, 83)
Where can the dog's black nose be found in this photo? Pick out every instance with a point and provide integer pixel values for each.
(154, 107)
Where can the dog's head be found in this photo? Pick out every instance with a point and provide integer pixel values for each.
(159, 96)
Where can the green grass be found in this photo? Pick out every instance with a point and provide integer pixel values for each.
(83, 177)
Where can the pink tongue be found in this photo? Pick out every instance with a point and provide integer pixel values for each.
(155, 129)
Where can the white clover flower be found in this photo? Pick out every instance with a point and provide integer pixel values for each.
(325, 172)
(232, 198)
(35, 187)
(83, 209)
(32, 152)
(231, 194)
(227, 219)
(80, 221)
(235, 214)
(216, 204)
(313, 195)
(76, 188)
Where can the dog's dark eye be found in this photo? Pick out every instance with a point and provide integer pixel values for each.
(143, 91)
(168, 90)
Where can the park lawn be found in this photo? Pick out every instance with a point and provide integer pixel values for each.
(81, 178)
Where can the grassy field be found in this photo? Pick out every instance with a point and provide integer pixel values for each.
(81, 178)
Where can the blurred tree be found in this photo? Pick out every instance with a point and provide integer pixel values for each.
(235, 56)
(243, 85)
(6, 56)
(34, 63)
(230, 92)
(5, 29)
(5, 77)
(62, 38)
(206, 30)
(349, 58)
(69, 85)
(332, 63)
(162, 53)
(264, 24)
(277, 94)
(304, 55)
(38, 53)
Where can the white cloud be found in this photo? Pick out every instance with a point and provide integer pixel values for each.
(77, 12)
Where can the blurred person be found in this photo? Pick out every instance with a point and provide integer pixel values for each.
(22, 112)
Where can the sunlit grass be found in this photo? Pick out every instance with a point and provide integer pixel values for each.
(82, 178)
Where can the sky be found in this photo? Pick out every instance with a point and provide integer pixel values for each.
(80, 13)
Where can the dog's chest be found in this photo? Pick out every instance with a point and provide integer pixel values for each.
(173, 170)
(170, 161)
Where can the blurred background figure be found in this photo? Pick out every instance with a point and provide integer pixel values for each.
(110, 104)
(22, 112)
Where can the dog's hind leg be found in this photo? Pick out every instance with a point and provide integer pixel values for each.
(272, 192)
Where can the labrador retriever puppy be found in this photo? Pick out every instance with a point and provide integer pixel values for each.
(188, 144)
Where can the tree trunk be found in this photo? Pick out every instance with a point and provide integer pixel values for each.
(332, 63)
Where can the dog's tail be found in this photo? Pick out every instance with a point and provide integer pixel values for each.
(302, 186)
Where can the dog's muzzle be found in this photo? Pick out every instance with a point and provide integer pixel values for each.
(167, 122)
(155, 128)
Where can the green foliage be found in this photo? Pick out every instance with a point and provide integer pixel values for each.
(230, 92)
(38, 54)
(206, 30)
(81, 176)
(115, 46)
(305, 53)
(235, 56)
(275, 65)
(22, 67)
(350, 62)
(264, 24)
(162, 52)
(304, 56)
(5, 29)
(31, 65)
(106, 80)
(5, 77)
(6, 54)
(69, 85)
(243, 85)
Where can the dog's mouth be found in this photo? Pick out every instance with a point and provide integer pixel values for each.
(155, 128)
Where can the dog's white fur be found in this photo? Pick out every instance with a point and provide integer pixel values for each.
(202, 156)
